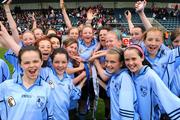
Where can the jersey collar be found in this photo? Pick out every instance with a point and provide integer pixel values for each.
(19, 80)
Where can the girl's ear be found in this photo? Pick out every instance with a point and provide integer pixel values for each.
(121, 64)
(142, 59)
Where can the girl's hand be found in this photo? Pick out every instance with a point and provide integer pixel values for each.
(140, 5)
(128, 15)
(3, 32)
(62, 4)
(81, 66)
(8, 2)
(90, 14)
(77, 58)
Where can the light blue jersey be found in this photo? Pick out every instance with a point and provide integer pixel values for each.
(63, 92)
(172, 72)
(165, 63)
(175, 85)
(70, 65)
(46, 73)
(151, 90)
(4, 71)
(159, 62)
(20, 103)
(123, 97)
(84, 51)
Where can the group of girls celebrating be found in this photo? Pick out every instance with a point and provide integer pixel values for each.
(63, 80)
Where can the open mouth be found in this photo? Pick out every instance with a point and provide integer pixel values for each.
(152, 48)
(32, 71)
(45, 55)
(102, 40)
(88, 38)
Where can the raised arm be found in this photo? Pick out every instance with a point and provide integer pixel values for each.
(8, 40)
(66, 18)
(90, 16)
(11, 21)
(2, 42)
(34, 21)
(139, 6)
(128, 16)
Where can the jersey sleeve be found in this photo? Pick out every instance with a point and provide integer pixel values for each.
(175, 85)
(75, 92)
(168, 100)
(172, 65)
(4, 71)
(126, 99)
(11, 57)
(2, 102)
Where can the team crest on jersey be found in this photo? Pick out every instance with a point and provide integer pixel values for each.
(40, 101)
(51, 84)
(11, 101)
(143, 90)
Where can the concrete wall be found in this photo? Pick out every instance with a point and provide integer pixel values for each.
(84, 4)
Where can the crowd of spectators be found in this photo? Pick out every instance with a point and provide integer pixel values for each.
(53, 18)
(165, 13)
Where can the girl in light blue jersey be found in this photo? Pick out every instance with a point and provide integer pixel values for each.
(149, 87)
(163, 60)
(159, 55)
(75, 65)
(123, 99)
(27, 97)
(87, 44)
(74, 68)
(63, 89)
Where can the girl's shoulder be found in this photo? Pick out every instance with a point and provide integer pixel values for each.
(122, 73)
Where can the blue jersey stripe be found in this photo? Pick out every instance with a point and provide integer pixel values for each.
(173, 112)
(176, 118)
(126, 110)
(127, 116)
(124, 113)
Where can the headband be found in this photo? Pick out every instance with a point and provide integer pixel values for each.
(138, 48)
